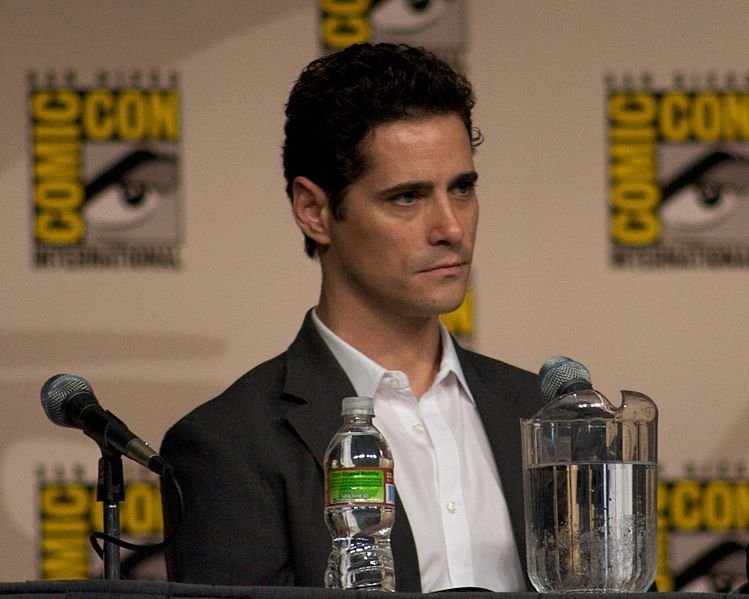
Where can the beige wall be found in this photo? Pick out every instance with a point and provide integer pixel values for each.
(155, 344)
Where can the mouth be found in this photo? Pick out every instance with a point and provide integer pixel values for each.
(446, 269)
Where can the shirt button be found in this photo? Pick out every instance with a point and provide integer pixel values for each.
(393, 382)
(451, 507)
(418, 427)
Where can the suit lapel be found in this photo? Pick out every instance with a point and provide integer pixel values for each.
(315, 378)
(318, 383)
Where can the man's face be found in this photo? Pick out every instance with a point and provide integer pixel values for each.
(405, 242)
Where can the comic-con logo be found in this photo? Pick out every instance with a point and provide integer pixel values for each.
(105, 174)
(347, 22)
(679, 177)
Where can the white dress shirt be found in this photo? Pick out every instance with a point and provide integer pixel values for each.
(444, 471)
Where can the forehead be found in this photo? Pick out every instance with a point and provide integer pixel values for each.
(414, 142)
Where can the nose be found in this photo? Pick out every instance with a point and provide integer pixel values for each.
(446, 224)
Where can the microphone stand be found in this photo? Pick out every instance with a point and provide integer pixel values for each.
(111, 491)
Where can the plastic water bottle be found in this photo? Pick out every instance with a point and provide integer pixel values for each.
(359, 502)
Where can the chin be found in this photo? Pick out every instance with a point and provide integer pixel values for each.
(447, 306)
(436, 304)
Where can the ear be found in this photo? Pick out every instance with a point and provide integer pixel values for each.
(309, 202)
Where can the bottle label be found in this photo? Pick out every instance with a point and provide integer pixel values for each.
(360, 485)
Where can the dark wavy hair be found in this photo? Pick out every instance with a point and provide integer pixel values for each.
(338, 99)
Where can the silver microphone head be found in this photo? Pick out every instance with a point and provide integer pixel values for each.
(57, 390)
(559, 374)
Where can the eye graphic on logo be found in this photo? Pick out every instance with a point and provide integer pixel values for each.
(706, 192)
(406, 16)
(130, 191)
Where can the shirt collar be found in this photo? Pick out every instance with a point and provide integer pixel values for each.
(365, 374)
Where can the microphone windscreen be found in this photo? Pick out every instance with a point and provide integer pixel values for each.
(57, 390)
(559, 373)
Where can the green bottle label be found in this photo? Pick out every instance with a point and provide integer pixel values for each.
(360, 485)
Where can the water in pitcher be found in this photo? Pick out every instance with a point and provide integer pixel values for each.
(591, 527)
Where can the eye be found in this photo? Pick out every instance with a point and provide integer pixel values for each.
(406, 16)
(699, 206)
(130, 192)
(407, 198)
(706, 194)
(465, 189)
(122, 207)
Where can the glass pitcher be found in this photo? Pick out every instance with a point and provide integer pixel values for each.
(590, 482)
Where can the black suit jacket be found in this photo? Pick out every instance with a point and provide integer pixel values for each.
(250, 466)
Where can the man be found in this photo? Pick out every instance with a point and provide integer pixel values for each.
(378, 161)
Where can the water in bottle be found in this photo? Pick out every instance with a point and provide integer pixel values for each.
(359, 502)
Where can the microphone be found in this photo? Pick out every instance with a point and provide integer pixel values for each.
(561, 375)
(68, 400)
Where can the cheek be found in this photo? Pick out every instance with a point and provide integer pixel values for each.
(394, 253)
(471, 221)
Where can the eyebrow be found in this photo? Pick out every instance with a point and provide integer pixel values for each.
(469, 177)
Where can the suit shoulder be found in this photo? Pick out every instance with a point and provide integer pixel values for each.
(253, 396)
(489, 365)
(500, 379)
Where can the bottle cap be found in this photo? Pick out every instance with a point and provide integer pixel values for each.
(357, 405)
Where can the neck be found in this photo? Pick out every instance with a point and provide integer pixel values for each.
(409, 344)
